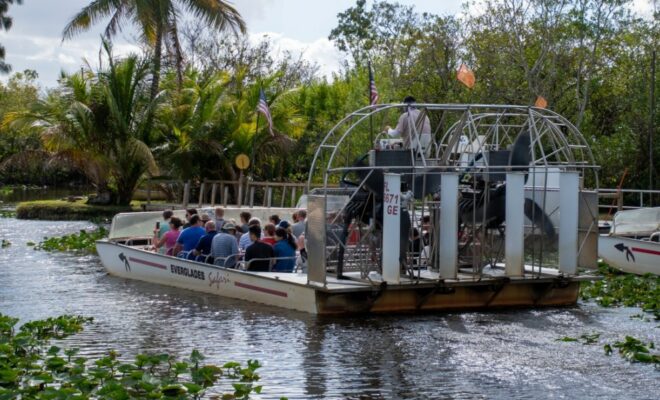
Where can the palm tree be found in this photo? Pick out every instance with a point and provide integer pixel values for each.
(188, 119)
(98, 122)
(157, 23)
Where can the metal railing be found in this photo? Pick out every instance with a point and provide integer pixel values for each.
(613, 200)
(225, 192)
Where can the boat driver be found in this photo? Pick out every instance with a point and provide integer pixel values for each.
(405, 128)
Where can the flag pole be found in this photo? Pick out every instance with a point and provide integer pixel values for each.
(254, 139)
(371, 117)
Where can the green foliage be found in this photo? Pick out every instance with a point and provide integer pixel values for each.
(631, 348)
(584, 338)
(589, 59)
(66, 210)
(621, 289)
(634, 350)
(7, 214)
(82, 241)
(32, 368)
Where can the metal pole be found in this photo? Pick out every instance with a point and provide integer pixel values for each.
(254, 139)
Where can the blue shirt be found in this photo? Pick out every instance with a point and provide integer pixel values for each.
(190, 236)
(204, 244)
(282, 248)
(244, 242)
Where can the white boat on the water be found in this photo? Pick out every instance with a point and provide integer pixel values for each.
(396, 229)
(633, 244)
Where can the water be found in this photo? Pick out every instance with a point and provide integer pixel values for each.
(476, 355)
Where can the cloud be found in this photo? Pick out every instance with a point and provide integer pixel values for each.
(253, 10)
(644, 8)
(320, 51)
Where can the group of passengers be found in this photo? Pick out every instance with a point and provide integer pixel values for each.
(225, 243)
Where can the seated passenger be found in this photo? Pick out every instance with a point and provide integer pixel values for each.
(189, 237)
(203, 247)
(245, 220)
(224, 246)
(189, 213)
(246, 239)
(168, 240)
(298, 228)
(269, 234)
(285, 246)
(274, 219)
(258, 250)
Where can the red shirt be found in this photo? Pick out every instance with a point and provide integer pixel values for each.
(269, 240)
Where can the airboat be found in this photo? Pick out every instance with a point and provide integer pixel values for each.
(633, 243)
(497, 210)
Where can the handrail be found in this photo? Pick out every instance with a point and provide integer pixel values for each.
(273, 260)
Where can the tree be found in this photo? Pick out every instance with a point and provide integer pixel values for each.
(98, 123)
(157, 22)
(5, 24)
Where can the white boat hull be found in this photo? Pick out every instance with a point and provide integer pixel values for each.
(345, 296)
(630, 255)
(260, 287)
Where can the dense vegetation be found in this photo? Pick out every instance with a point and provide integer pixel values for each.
(591, 60)
(32, 368)
(621, 289)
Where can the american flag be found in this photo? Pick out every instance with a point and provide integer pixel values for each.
(373, 92)
(262, 107)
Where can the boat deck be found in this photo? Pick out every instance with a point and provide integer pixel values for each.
(423, 278)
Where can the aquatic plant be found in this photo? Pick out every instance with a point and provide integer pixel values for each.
(634, 350)
(82, 241)
(32, 368)
(621, 289)
(586, 338)
(7, 213)
(5, 243)
(631, 348)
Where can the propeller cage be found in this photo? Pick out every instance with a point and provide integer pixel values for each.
(507, 164)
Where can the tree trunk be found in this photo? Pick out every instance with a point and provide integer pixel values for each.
(155, 79)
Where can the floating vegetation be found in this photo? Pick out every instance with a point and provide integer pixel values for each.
(634, 350)
(621, 289)
(7, 214)
(584, 339)
(31, 368)
(83, 241)
(5, 243)
(631, 348)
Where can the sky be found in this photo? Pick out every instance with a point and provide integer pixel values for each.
(301, 26)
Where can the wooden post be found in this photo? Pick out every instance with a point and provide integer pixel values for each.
(149, 192)
(283, 196)
(186, 194)
(619, 200)
(251, 195)
(240, 189)
(269, 196)
(293, 196)
(214, 188)
(225, 195)
(202, 189)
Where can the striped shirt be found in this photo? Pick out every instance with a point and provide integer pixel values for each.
(223, 246)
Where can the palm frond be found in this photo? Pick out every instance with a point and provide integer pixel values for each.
(96, 11)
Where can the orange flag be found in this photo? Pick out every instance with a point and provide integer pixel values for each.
(466, 76)
(540, 102)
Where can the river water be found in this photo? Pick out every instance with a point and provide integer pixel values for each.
(474, 355)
